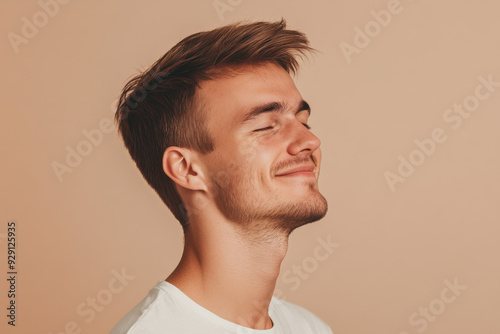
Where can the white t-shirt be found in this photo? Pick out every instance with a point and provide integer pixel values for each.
(167, 310)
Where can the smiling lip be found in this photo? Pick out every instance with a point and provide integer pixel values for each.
(299, 171)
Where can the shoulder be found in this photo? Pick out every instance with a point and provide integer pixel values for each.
(296, 314)
(144, 316)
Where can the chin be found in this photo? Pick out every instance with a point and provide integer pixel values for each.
(285, 211)
(293, 215)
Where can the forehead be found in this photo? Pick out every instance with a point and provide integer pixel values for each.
(228, 98)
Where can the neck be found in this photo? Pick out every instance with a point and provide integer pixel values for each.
(230, 271)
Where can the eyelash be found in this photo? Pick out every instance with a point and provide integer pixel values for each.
(307, 126)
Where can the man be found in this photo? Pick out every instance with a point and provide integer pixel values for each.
(219, 130)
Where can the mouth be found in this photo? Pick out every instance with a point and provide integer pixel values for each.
(307, 171)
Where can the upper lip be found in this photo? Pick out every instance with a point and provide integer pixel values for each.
(298, 169)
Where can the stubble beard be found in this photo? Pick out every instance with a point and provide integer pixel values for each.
(256, 216)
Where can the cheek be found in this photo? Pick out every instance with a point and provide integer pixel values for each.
(246, 152)
(235, 163)
(251, 160)
(268, 155)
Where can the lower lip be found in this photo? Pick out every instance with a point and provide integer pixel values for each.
(310, 174)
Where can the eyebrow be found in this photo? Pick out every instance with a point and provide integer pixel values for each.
(273, 107)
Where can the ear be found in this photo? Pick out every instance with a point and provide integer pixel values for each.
(181, 165)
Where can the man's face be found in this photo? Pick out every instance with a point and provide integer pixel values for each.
(265, 166)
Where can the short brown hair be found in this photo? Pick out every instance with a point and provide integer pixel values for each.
(157, 108)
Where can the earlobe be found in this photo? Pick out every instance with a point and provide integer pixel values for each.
(180, 166)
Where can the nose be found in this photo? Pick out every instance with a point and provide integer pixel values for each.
(302, 139)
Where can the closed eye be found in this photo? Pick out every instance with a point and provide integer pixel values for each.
(264, 129)
(307, 126)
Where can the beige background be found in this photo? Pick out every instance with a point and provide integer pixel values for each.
(396, 248)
